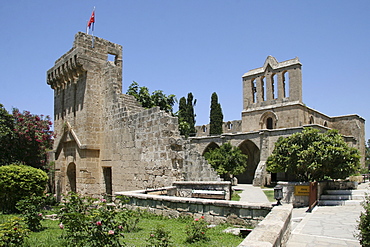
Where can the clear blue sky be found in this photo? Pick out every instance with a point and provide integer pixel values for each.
(198, 46)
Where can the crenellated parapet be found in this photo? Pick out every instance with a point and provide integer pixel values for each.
(67, 69)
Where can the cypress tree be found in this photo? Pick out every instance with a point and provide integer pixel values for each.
(186, 116)
(216, 117)
(190, 116)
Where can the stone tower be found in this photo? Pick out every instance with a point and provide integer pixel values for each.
(106, 142)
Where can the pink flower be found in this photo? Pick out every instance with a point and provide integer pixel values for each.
(40, 214)
(98, 223)
(202, 217)
(152, 235)
(196, 219)
(120, 227)
(110, 232)
(61, 226)
(103, 200)
(202, 232)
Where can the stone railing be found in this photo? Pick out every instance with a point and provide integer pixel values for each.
(214, 211)
(273, 231)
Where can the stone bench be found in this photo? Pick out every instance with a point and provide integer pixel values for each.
(208, 194)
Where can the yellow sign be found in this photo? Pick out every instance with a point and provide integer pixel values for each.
(302, 190)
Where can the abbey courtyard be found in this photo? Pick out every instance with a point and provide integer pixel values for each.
(106, 142)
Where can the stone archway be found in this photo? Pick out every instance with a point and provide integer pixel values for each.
(249, 148)
(71, 175)
(210, 147)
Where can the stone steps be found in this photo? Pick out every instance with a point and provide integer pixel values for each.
(342, 197)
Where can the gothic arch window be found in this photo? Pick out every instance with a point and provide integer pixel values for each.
(286, 84)
(325, 124)
(254, 90)
(204, 129)
(268, 120)
(264, 88)
(269, 123)
(71, 175)
(229, 125)
(312, 121)
(274, 86)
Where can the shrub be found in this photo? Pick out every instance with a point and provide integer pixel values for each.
(12, 233)
(18, 182)
(93, 222)
(159, 237)
(196, 230)
(364, 224)
(31, 211)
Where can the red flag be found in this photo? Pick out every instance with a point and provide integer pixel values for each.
(92, 19)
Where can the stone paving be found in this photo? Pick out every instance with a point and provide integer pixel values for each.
(324, 226)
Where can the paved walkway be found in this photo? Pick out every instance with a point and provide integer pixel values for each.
(326, 225)
(251, 193)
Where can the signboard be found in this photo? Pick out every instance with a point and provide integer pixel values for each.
(302, 190)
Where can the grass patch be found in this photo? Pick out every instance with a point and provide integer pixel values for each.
(235, 195)
(270, 195)
(51, 235)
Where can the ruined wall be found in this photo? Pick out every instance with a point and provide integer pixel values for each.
(106, 142)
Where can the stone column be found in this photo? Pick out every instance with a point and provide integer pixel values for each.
(260, 90)
(269, 88)
(281, 89)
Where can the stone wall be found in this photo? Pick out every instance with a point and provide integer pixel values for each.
(214, 211)
(185, 188)
(106, 141)
(273, 231)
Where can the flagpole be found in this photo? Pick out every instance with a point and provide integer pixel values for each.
(92, 33)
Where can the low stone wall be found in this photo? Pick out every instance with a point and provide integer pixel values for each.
(274, 230)
(303, 201)
(185, 188)
(290, 197)
(214, 211)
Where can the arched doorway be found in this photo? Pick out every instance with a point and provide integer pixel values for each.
(71, 175)
(210, 147)
(249, 148)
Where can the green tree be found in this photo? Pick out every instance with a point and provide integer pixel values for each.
(227, 160)
(216, 117)
(184, 126)
(147, 100)
(314, 156)
(25, 138)
(19, 182)
(33, 138)
(190, 103)
(6, 136)
(364, 224)
(186, 115)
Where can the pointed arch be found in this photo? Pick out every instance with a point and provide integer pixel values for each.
(268, 120)
(210, 147)
(252, 151)
(72, 179)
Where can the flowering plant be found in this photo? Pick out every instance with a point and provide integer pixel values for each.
(92, 222)
(31, 211)
(159, 237)
(196, 230)
(12, 232)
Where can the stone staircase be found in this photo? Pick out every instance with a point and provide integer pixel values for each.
(342, 197)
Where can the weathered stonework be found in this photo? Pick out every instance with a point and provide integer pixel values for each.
(106, 142)
(273, 107)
